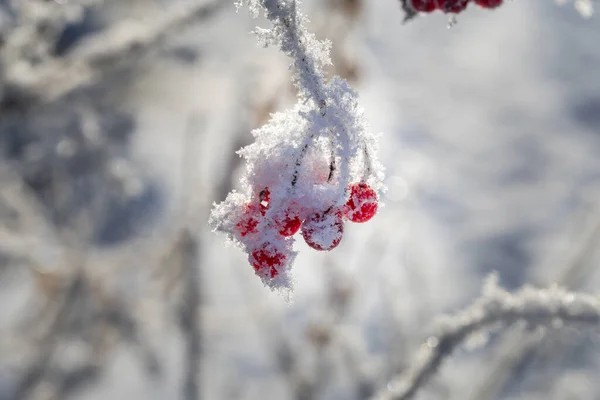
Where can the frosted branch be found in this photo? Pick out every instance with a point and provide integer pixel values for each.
(536, 307)
(87, 64)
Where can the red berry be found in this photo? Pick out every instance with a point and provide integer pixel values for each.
(323, 231)
(488, 3)
(267, 260)
(252, 214)
(290, 225)
(362, 204)
(423, 5)
(452, 6)
(250, 220)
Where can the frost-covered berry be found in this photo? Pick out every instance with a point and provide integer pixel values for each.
(488, 3)
(452, 6)
(362, 203)
(290, 225)
(323, 231)
(290, 220)
(267, 260)
(426, 6)
(250, 219)
(253, 214)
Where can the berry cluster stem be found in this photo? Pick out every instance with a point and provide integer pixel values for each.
(309, 77)
(368, 162)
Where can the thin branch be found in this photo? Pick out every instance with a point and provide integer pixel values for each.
(189, 247)
(189, 318)
(38, 369)
(87, 64)
(536, 307)
(519, 346)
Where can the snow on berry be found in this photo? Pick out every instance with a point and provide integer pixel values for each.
(249, 221)
(290, 225)
(267, 260)
(362, 204)
(271, 261)
(323, 231)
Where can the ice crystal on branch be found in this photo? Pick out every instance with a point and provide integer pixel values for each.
(304, 161)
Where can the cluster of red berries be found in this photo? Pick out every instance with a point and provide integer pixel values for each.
(321, 229)
(450, 6)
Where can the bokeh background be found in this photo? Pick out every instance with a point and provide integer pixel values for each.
(119, 122)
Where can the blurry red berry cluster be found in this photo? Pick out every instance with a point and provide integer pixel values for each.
(321, 229)
(450, 6)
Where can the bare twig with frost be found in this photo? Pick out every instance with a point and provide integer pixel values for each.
(186, 257)
(88, 63)
(535, 307)
(189, 317)
(518, 345)
(47, 347)
(70, 308)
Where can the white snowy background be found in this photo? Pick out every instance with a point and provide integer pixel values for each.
(490, 139)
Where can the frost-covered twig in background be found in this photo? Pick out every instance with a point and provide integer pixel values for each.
(305, 162)
(189, 315)
(28, 84)
(535, 307)
(518, 347)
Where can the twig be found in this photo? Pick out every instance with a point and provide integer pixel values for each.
(519, 346)
(536, 307)
(87, 64)
(189, 247)
(190, 321)
(37, 371)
